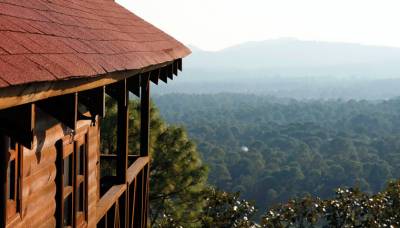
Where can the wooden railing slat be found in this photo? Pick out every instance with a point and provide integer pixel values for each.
(111, 197)
(135, 168)
(108, 200)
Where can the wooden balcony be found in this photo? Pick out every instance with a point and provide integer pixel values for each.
(125, 205)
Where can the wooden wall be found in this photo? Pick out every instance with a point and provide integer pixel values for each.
(39, 171)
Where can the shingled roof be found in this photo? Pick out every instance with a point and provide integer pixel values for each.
(49, 40)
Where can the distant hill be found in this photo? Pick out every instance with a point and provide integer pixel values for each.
(254, 66)
(293, 53)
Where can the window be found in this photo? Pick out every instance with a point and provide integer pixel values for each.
(13, 182)
(73, 181)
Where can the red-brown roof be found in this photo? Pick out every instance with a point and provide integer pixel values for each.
(48, 40)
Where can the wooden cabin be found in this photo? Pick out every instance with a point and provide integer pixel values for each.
(58, 61)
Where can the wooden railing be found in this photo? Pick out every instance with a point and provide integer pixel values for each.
(126, 205)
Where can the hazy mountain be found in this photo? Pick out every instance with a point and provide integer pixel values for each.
(305, 57)
(289, 67)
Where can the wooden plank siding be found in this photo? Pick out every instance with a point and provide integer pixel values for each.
(39, 174)
(39, 171)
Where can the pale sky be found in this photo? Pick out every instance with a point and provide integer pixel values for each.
(216, 24)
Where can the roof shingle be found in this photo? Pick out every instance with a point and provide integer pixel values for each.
(43, 40)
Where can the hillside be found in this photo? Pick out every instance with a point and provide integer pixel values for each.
(293, 68)
(312, 56)
(273, 149)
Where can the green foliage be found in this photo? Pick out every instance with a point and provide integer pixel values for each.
(350, 208)
(224, 210)
(178, 176)
(179, 196)
(295, 148)
(221, 209)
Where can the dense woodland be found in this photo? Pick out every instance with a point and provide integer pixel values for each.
(179, 193)
(272, 150)
(277, 162)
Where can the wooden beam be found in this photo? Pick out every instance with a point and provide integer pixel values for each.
(170, 71)
(154, 75)
(18, 122)
(63, 108)
(163, 74)
(134, 85)
(4, 157)
(175, 67)
(144, 115)
(179, 64)
(119, 92)
(94, 100)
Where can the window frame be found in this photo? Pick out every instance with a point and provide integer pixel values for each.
(81, 180)
(70, 150)
(68, 153)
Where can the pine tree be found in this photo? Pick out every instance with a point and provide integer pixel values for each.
(177, 175)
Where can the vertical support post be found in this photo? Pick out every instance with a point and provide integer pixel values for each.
(139, 198)
(144, 138)
(146, 193)
(122, 130)
(119, 91)
(144, 114)
(59, 184)
(4, 157)
(122, 144)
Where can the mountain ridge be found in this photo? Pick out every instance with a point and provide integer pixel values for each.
(287, 53)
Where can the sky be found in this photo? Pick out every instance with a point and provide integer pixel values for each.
(216, 24)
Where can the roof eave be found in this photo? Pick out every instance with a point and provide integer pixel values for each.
(32, 92)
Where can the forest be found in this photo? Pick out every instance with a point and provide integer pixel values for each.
(273, 149)
(234, 160)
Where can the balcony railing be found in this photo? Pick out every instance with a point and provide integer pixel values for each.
(124, 205)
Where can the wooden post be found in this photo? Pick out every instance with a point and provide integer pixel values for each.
(4, 157)
(59, 184)
(119, 91)
(138, 206)
(144, 139)
(122, 131)
(146, 193)
(122, 144)
(144, 114)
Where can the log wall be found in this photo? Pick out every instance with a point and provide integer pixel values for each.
(38, 173)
